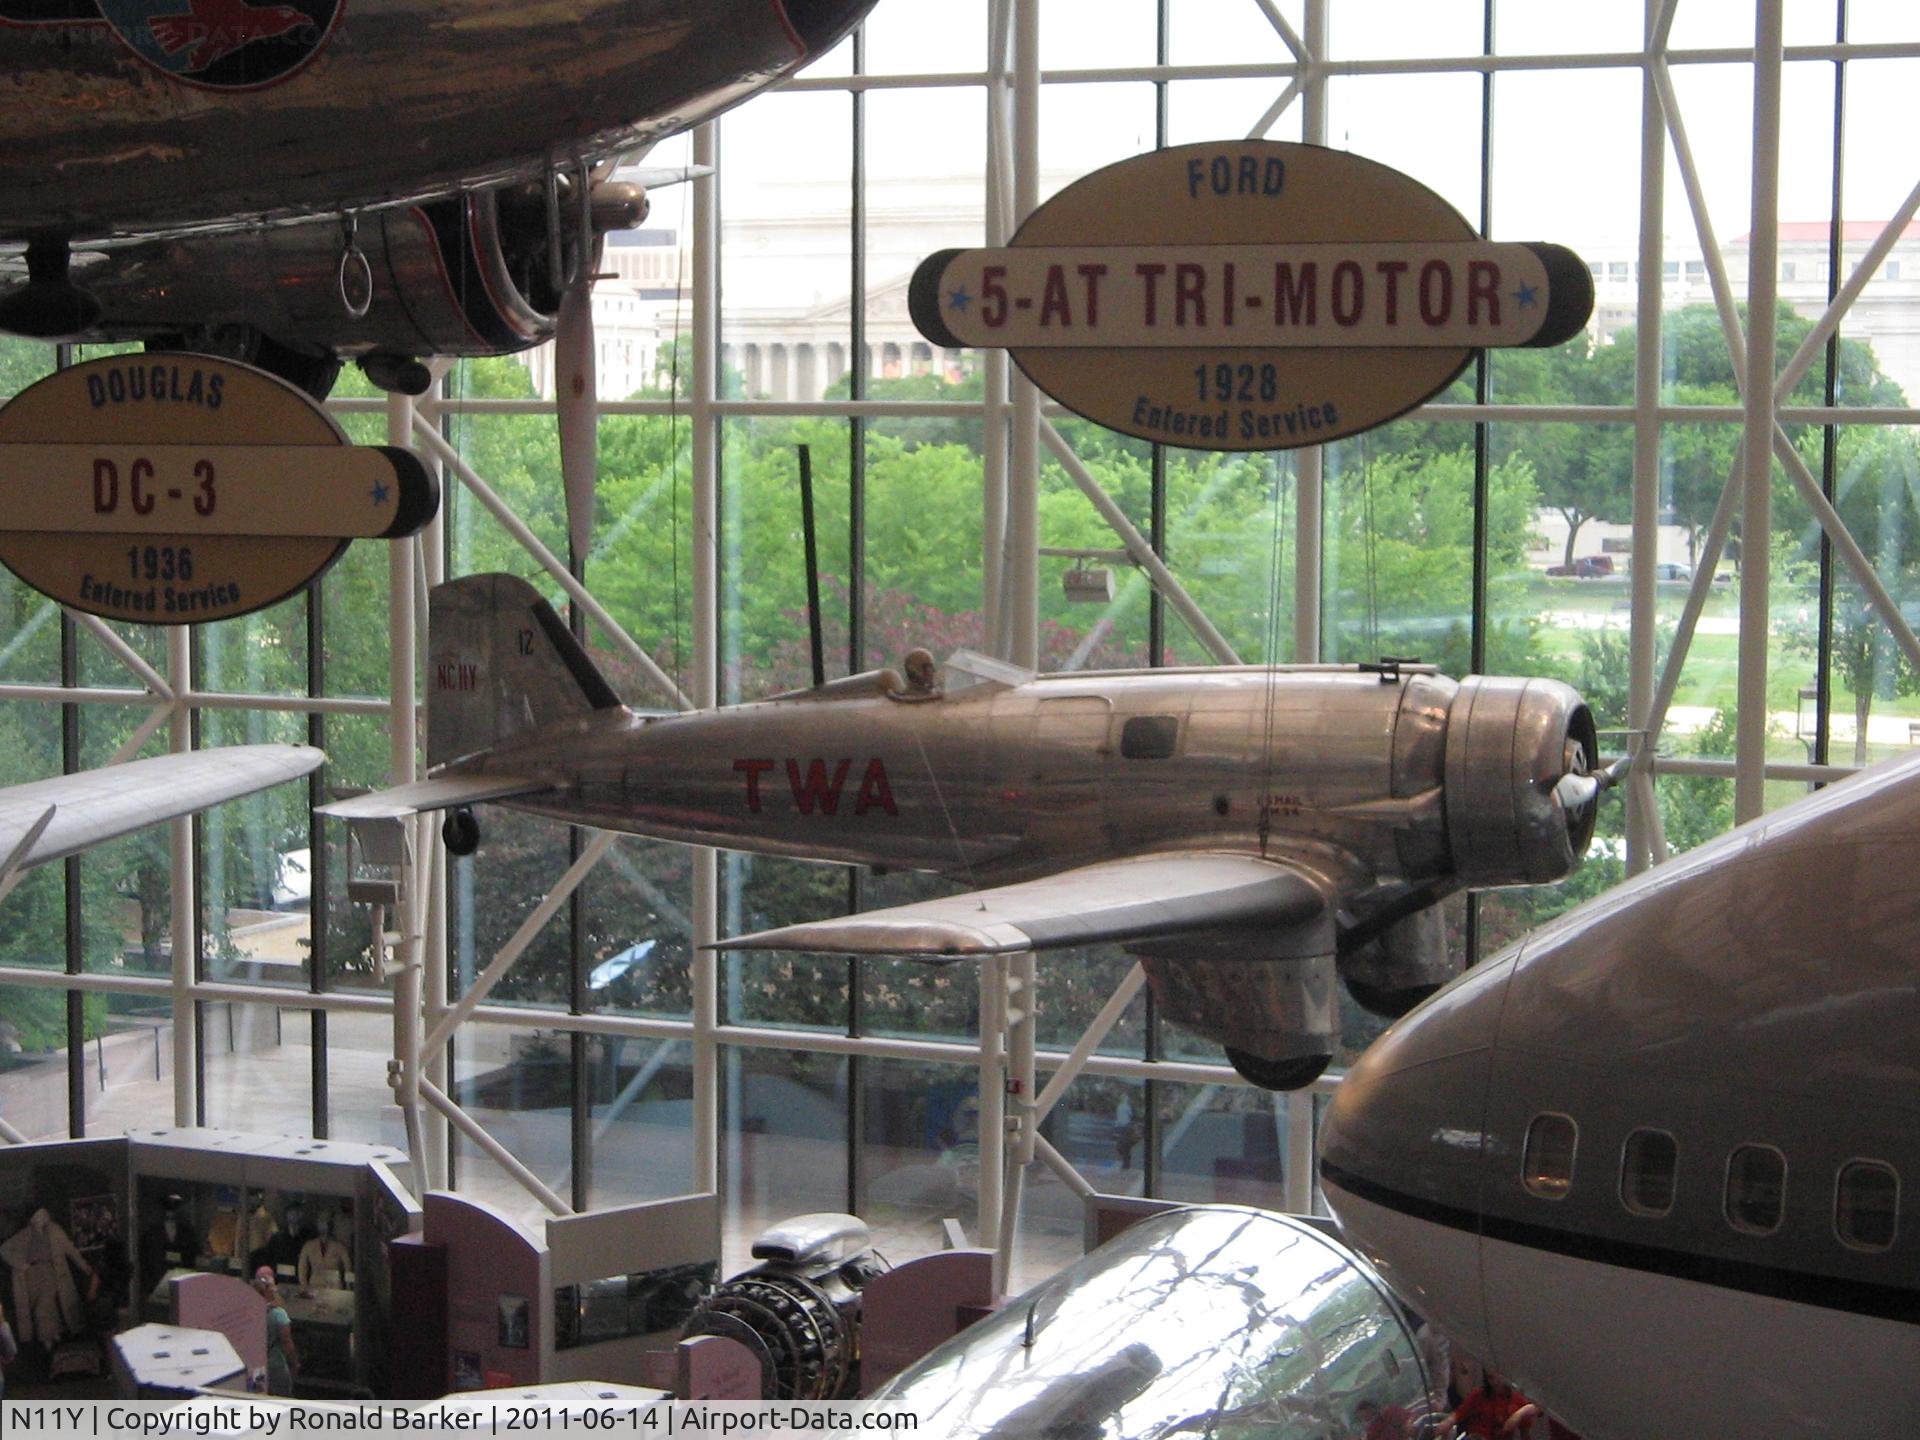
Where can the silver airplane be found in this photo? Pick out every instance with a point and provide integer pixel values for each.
(1249, 833)
(444, 154)
(1654, 1161)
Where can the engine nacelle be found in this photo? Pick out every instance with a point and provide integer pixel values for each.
(1278, 1019)
(1509, 743)
(462, 276)
(1402, 965)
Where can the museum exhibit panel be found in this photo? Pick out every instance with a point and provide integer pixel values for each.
(1690, 524)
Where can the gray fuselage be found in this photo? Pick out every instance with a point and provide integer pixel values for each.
(1748, 1015)
(996, 783)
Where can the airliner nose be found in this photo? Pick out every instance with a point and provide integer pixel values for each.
(822, 24)
(1401, 1151)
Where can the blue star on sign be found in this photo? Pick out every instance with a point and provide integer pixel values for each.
(959, 300)
(379, 492)
(1525, 296)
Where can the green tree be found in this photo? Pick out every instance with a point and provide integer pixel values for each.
(22, 362)
(1401, 560)
(1697, 370)
(1877, 494)
(1582, 471)
(673, 375)
(1696, 808)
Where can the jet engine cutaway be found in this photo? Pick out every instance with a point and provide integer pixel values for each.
(798, 1311)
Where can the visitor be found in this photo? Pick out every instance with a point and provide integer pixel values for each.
(283, 1361)
(1377, 1422)
(1493, 1411)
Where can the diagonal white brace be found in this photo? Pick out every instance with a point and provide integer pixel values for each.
(1077, 1058)
(1883, 603)
(125, 654)
(515, 947)
(503, 1157)
(1892, 232)
(1275, 110)
(1137, 547)
(1285, 29)
(516, 527)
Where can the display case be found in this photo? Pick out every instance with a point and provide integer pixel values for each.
(317, 1213)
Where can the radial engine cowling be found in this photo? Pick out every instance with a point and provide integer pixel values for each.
(1510, 742)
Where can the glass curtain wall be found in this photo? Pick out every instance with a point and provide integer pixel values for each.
(1493, 530)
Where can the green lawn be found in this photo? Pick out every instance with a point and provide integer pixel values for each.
(1710, 677)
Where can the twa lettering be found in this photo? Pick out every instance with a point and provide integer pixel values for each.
(818, 792)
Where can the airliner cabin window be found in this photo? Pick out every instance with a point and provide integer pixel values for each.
(1648, 1166)
(1149, 737)
(1866, 1206)
(1547, 1164)
(1756, 1189)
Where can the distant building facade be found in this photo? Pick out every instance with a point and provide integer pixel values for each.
(1887, 313)
(787, 303)
(786, 294)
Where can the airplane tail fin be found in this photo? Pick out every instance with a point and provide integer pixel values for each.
(501, 662)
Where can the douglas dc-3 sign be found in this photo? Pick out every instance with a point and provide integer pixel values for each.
(177, 488)
(1250, 295)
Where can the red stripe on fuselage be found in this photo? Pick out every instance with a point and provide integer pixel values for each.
(480, 268)
(446, 276)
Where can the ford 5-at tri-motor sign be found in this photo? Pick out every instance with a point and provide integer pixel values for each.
(1248, 295)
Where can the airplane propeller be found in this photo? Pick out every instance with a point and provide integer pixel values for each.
(577, 389)
(575, 382)
(1580, 787)
(606, 204)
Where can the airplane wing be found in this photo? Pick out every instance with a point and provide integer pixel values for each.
(1140, 898)
(52, 819)
(445, 793)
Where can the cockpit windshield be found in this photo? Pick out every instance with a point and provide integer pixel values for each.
(965, 669)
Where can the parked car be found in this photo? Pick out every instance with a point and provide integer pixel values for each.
(1585, 567)
(1667, 570)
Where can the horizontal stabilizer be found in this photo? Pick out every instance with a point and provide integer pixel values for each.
(94, 806)
(447, 793)
(1142, 898)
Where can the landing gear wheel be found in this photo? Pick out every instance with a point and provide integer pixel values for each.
(302, 369)
(308, 370)
(49, 306)
(1294, 1074)
(461, 832)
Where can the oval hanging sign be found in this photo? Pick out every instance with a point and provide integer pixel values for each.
(176, 488)
(1248, 295)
